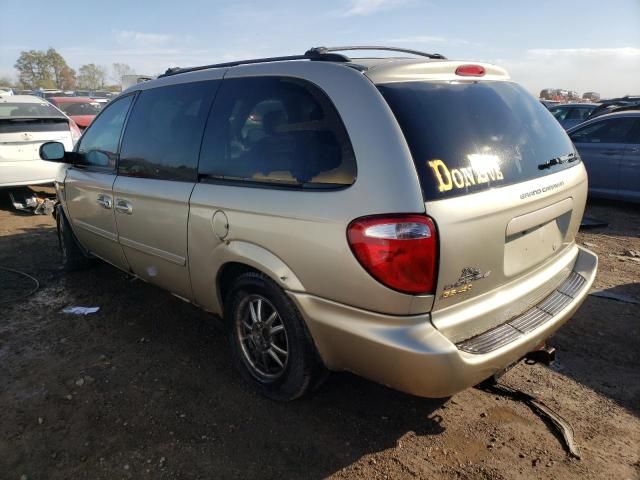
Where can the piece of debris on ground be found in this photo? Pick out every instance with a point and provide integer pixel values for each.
(28, 201)
(80, 310)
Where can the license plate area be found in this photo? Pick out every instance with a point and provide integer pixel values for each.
(532, 238)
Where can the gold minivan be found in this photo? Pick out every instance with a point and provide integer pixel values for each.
(411, 220)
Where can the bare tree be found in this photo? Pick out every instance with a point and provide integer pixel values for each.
(7, 81)
(120, 70)
(68, 79)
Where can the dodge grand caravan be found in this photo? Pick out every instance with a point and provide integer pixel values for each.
(411, 220)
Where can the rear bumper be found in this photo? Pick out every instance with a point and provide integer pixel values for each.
(410, 354)
(27, 172)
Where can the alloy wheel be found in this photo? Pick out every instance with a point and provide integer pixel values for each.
(262, 336)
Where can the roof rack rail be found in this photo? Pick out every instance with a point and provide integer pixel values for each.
(628, 102)
(325, 54)
(326, 50)
(620, 100)
(309, 55)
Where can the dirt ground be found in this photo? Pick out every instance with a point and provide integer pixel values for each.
(145, 389)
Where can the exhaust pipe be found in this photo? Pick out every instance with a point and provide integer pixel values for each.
(545, 355)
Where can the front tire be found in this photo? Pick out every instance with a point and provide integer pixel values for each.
(270, 344)
(73, 257)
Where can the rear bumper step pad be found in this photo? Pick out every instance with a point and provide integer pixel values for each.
(544, 311)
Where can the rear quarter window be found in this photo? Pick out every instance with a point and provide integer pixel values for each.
(467, 137)
(277, 132)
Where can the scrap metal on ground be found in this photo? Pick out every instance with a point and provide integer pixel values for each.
(29, 201)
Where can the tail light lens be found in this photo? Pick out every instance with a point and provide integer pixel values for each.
(75, 131)
(399, 251)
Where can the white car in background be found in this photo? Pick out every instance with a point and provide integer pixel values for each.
(26, 122)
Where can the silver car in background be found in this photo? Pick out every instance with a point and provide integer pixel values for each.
(609, 146)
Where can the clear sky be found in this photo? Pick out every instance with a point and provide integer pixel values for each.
(579, 45)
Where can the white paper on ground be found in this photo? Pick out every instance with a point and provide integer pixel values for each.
(81, 310)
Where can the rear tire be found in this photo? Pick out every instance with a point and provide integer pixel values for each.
(270, 344)
(73, 257)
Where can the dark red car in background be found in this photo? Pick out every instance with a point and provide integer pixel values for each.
(82, 110)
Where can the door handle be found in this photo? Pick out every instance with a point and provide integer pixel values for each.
(105, 201)
(123, 206)
(611, 152)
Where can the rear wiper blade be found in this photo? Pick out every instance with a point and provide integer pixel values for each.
(558, 161)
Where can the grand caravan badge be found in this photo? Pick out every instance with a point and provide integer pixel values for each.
(483, 169)
(464, 283)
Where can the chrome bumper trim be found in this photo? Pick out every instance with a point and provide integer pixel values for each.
(528, 321)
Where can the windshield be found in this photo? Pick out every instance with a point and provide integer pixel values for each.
(77, 108)
(559, 113)
(28, 110)
(470, 136)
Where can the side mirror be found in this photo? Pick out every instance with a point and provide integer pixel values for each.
(52, 152)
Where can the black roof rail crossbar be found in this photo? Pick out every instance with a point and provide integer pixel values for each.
(615, 105)
(326, 50)
(620, 101)
(317, 53)
(611, 108)
(309, 55)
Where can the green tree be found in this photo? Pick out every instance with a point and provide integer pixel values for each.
(34, 69)
(91, 76)
(63, 76)
(40, 69)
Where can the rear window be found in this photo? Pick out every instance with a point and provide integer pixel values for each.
(28, 110)
(31, 125)
(467, 137)
(78, 108)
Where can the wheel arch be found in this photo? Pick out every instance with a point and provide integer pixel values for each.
(240, 257)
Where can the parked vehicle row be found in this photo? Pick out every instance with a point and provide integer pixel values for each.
(560, 95)
(399, 218)
(572, 114)
(97, 95)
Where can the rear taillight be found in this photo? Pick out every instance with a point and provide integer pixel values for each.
(470, 71)
(75, 131)
(399, 251)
